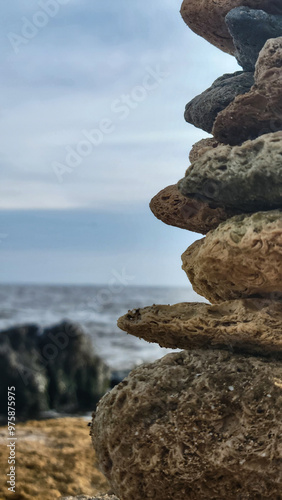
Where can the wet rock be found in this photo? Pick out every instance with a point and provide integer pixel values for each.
(194, 214)
(203, 109)
(198, 425)
(250, 29)
(207, 18)
(248, 325)
(21, 367)
(246, 177)
(77, 377)
(53, 369)
(261, 107)
(241, 258)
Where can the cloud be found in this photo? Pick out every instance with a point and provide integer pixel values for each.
(66, 80)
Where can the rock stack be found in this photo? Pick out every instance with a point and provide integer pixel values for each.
(206, 423)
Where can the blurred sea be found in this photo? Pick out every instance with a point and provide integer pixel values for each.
(96, 309)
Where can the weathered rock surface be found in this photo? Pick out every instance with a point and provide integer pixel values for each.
(199, 425)
(250, 29)
(51, 369)
(247, 325)
(200, 147)
(241, 258)
(246, 177)
(261, 107)
(54, 459)
(193, 214)
(207, 18)
(203, 109)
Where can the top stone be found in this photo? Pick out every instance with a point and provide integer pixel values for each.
(207, 18)
(250, 30)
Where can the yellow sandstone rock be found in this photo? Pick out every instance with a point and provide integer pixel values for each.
(241, 258)
(247, 325)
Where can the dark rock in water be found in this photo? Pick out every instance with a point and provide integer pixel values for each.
(203, 109)
(250, 29)
(54, 369)
(77, 377)
(21, 367)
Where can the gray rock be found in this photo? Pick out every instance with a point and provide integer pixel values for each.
(55, 369)
(77, 377)
(247, 177)
(203, 109)
(250, 29)
(21, 367)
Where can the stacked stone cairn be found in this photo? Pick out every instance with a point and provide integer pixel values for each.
(206, 423)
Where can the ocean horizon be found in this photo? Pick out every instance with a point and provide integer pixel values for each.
(96, 309)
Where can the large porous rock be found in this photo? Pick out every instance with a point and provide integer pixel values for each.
(51, 369)
(203, 109)
(199, 425)
(247, 325)
(241, 258)
(247, 177)
(194, 214)
(250, 29)
(261, 106)
(207, 18)
(77, 377)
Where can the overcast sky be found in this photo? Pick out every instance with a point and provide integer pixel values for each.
(92, 100)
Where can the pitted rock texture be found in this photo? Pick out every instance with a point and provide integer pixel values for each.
(199, 425)
(203, 109)
(207, 18)
(261, 107)
(246, 177)
(247, 325)
(250, 29)
(241, 258)
(193, 214)
(200, 147)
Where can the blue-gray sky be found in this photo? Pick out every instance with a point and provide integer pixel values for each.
(92, 99)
